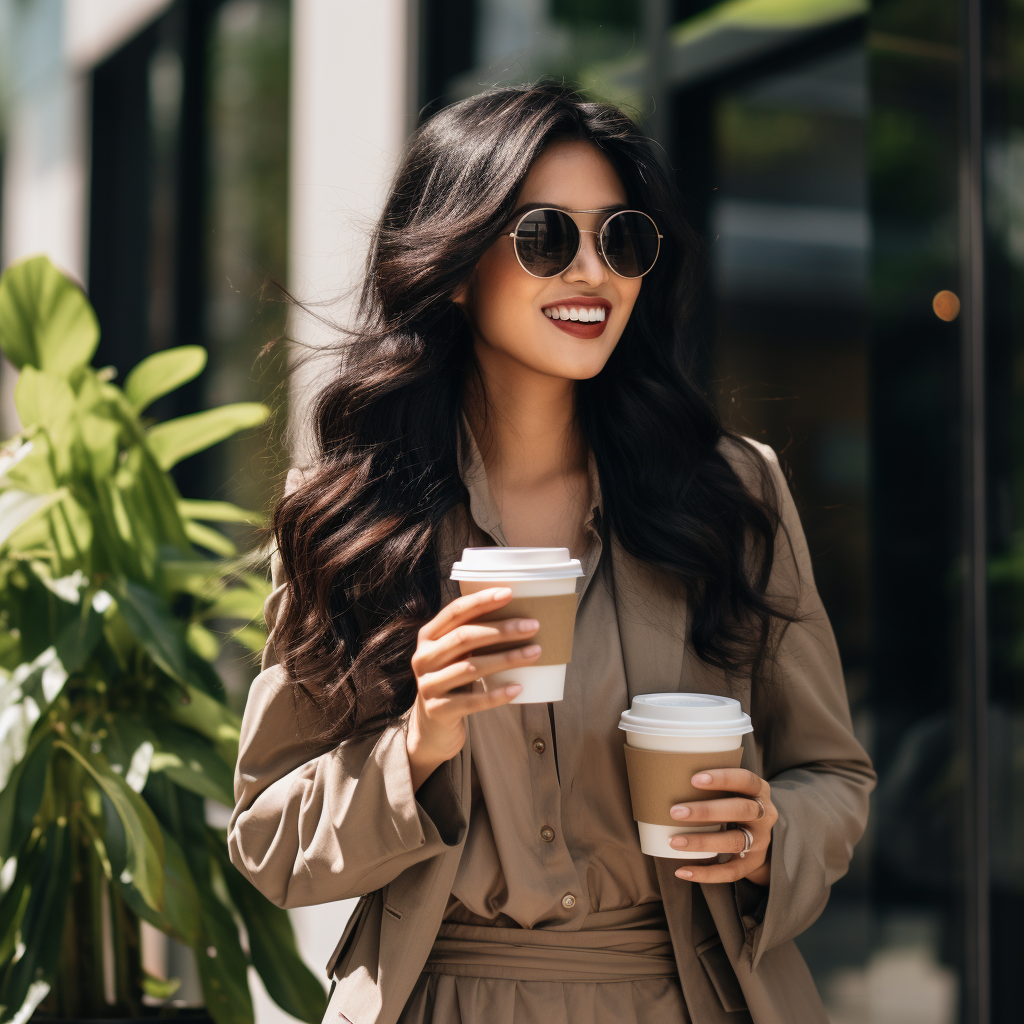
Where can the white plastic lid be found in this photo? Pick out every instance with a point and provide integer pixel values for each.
(505, 563)
(685, 714)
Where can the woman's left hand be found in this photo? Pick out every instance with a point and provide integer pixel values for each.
(739, 807)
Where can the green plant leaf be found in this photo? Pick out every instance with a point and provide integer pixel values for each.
(252, 638)
(275, 956)
(145, 843)
(207, 716)
(24, 699)
(161, 373)
(101, 439)
(156, 628)
(19, 799)
(181, 917)
(159, 988)
(78, 639)
(190, 761)
(197, 710)
(19, 507)
(200, 577)
(238, 603)
(14, 902)
(212, 540)
(45, 319)
(43, 920)
(176, 439)
(218, 512)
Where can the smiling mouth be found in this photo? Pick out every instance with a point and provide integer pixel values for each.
(583, 314)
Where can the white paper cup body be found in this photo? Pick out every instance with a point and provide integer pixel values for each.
(702, 734)
(540, 683)
(654, 839)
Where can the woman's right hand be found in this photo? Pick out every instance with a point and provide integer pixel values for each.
(443, 662)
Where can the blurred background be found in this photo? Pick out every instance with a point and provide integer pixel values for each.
(846, 161)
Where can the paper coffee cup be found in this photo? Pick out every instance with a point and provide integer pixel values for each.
(669, 738)
(543, 582)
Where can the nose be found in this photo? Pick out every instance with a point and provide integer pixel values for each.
(589, 266)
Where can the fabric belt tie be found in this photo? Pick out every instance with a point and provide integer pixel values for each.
(606, 949)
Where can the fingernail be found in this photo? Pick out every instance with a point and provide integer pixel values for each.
(502, 592)
(529, 652)
(702, 779)
(512, 689)
(526, 625)
(679, 842)
(683, 873)
(680, 811)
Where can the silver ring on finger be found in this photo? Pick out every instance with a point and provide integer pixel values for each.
(757, 800)
(748, 840)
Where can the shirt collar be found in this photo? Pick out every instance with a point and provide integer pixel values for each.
(481, 501)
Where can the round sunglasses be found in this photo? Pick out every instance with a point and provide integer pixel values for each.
(547, 241)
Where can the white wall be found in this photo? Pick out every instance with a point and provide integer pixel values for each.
(351, 77)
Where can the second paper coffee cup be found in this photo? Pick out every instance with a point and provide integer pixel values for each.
(669, 738)
(543, 582)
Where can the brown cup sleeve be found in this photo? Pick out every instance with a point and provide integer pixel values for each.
(556, 614)
(659, 779)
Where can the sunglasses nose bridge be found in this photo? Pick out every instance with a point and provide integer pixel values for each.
(589, 261)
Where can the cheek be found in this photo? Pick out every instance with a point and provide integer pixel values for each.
(504, 292)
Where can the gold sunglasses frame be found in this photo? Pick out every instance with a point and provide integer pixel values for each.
(585, 231)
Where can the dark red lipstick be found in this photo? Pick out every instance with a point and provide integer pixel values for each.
(576, 315)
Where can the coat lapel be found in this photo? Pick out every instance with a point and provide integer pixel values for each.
(652, 612)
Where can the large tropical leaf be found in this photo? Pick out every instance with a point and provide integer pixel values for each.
(162, 372)
(45, 320)
(275, 956)
(176, 439)
(145, 842)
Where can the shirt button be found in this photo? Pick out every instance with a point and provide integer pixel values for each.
(568, 901)
(547, 833)
(540, 746)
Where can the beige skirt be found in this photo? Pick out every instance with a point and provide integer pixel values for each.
(616, 970)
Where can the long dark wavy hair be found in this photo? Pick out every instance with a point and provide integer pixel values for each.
(359, 538)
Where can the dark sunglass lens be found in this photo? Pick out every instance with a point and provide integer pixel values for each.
(630, 243)
(547, 242)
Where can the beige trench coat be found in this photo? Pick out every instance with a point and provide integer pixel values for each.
(312, 826)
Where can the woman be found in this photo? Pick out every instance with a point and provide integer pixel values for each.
(521, 377)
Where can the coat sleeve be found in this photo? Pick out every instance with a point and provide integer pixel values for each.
(819, 773)
(312, 826)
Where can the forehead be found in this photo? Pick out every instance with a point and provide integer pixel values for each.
(576, 175)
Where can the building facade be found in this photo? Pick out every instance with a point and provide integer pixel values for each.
(858, 172)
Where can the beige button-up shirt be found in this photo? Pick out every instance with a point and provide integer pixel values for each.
(551, 834)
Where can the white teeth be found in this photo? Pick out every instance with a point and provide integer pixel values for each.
(584, 314)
